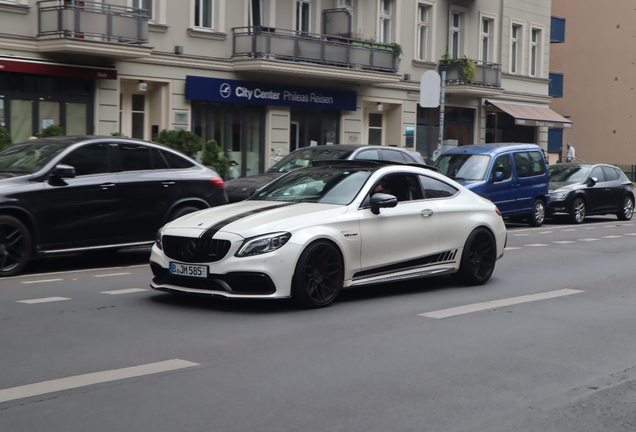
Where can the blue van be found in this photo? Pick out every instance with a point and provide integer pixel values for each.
(513, 176)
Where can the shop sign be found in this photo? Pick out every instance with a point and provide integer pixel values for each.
(256, 93)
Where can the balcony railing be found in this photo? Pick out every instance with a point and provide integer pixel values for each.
(486, 74)
(92, 21)
(291, 45)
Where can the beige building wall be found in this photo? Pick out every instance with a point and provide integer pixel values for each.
(597, 60)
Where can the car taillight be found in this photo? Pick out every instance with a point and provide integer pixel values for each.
(218, 182)
(497, 210)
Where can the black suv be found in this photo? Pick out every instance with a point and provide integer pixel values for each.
(79, 193)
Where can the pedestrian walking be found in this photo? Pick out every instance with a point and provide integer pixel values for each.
(571, 153)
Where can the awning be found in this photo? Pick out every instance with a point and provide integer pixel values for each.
(33, 66)
(532, 115)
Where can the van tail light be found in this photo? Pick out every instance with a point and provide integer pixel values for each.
(218, 182)
(497, 210)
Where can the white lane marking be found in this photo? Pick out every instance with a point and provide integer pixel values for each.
(41, 281)
(612, 236)
(512, 248)
(91, 378)
(536, 245)
(43, 300)
(111, 274)
(588, 239)
(125, 291)
(630, 234)
(546, 232)
(521, 235)
(569, 230)
(563, 242)
(590, 228)
(476, 307)
(76, 271)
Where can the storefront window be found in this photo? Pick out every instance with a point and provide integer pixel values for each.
(501, 127)
(49, 115)
(76, 118)
(459, 124)
(313, 127)
(21, 119)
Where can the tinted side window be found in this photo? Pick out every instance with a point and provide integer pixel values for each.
(502, 165)
(522, 162)
(393, 155)
(158, 161)
(368, 155)
(90, 159)
(597, 172)
(434, 188)
(175, 161)
(611, 174)
(538, 167)
(404, 187)
(134, 157)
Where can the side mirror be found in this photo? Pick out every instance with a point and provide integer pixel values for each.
(496, 177)
(62, 171)
(380, 200)
(591, 181)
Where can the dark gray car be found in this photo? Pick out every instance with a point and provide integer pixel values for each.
(241, 188)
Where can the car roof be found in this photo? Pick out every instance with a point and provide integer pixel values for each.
(74, 139)
(491, 149)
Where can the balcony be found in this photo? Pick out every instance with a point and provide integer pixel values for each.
(101, 28)
(458, 72)
(317, 49)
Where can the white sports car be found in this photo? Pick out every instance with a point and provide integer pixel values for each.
(333, 225)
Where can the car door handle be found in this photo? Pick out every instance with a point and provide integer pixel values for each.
(167, 184)
(426, 213)
(107, 185)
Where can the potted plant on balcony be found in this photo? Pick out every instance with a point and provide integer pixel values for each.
(467, 65)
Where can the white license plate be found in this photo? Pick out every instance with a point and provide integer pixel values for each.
(188, 270)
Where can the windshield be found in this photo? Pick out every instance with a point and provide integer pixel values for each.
(302, 158)
(567, 173)
(28, 157)
(327, 185)
(463, 166)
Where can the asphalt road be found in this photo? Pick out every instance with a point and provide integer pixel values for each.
(546, 345)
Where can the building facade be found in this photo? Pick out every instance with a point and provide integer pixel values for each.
(264, 77)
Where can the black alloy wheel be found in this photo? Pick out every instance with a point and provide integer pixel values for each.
(15, 246)
(627, 209)
(319, 275)
(577, 212)
(537, 217)
(478, 258)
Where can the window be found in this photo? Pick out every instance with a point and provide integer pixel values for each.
(598, 174)
(515, 48)
(90, 159)
(538, 167)
(502, 165)
(403, 187)
(386, 12)
(303, 16)
(369, 155)
(203, 13)
(535, 47)
(456, 21)
(134, 157)
(346, 3)
(256, 13)
(611, 174)
(422, 31)
(138, 115)
(434, 188)
(375, 129)
(148, 5)
(175, 161)
(523, 164)
(486, 36)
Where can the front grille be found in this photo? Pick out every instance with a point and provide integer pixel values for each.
(195, 250)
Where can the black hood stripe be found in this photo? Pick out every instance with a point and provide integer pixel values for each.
(210, 232)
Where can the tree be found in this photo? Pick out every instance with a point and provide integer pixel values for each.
(181, 140)
(5, 138)
(51, 131)
(213, 156)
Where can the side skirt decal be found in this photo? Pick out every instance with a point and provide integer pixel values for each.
(428, 261)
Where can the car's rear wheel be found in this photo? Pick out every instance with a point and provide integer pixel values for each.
(537, 217)
(182, 211)
(478, 258)
(577, 211)
(15, 246)
(627, 210)
(319, 275)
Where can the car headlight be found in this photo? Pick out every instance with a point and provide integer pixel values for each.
(159, 238)
(263, 244)
(559, 195)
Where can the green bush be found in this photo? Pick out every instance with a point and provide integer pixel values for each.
(5, 138)
(51, 131)
(213, 156)
(181, 140)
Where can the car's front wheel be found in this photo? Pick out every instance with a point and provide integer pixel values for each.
(319, 275)
(627, 209)
(537, 217)
(15, 245)
(478, 258)
(577, 212)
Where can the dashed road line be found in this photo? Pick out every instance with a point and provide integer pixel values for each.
(546, 232)
(110, 274)
(125, 291)
(564, 242)
(41, 281)
(477, 307)
(43, 300)
(612, 236)
(536, 245)
(91, 379)
(589, 239)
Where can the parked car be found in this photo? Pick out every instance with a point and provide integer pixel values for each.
(513, 176)
(581, 189)
(241, 188)
(319, 229)
(78, 193)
